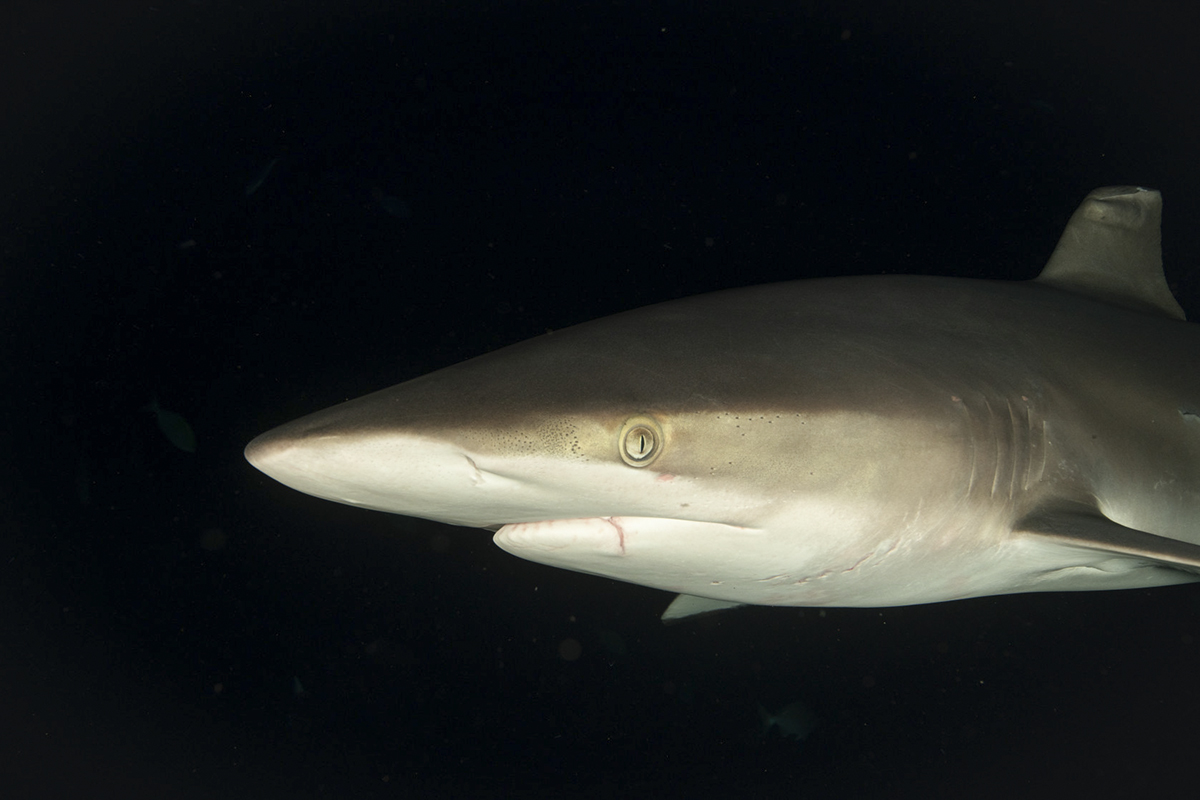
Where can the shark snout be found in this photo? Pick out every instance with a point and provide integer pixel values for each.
(274, 456)
(396, 471)
(290, 458)
(265, 449)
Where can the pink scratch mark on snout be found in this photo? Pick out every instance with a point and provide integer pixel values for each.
(620, 532)
(666, 477)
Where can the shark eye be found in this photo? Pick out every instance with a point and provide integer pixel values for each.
(641, 441)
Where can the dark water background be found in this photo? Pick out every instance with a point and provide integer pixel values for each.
(441, 179)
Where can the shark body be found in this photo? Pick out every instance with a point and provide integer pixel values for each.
(864, 441)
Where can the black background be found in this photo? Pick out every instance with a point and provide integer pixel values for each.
(449, 178)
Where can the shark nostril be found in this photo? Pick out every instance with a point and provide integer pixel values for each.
(475, 475)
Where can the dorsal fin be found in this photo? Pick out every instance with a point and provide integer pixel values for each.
(1112, 250)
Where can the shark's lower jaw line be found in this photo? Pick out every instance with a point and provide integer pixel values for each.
(536, 541)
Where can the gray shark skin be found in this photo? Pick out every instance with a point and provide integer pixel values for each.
(862, 441)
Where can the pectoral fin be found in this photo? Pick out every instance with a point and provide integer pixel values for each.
(1090, 530)
(689, 605)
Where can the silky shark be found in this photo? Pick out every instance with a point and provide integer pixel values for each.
(859, 441)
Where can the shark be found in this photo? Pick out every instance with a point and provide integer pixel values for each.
(862, 441)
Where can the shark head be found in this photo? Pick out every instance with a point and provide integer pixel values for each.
(654, 446)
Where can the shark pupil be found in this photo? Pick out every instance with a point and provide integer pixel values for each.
(640, 444)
